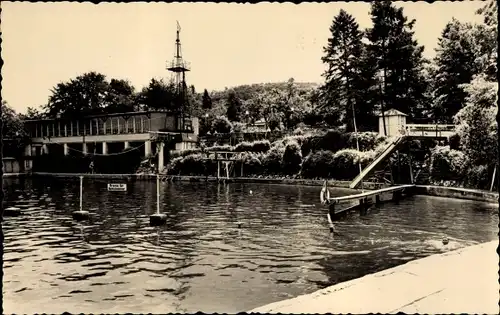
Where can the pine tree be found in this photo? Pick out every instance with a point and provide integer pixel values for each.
(454, 65)
(398, 58)
(344, 78)
(233, 107)
(206, 100)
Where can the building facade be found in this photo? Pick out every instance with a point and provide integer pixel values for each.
(97, 134)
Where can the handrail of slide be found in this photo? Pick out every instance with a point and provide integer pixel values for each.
(375, 162)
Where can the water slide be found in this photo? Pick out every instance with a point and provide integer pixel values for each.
(390, 148)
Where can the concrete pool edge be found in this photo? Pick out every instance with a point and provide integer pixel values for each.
(426, 190)
(459, 281)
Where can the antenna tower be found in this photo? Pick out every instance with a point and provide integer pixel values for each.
(179, 67)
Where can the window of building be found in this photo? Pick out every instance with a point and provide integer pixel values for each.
(138, 124)
(130, 125)
(108, 126)
(74, 129)
(146, 124)
(114, 129)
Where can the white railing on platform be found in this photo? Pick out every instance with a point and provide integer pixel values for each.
(427, 130)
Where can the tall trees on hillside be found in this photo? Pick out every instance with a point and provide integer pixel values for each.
(347, 78)
(12, 126)
(13, 133)
(84, 94)
(453, 66)
(88, 94)
(486, 35)
(157, 95)
(206, 100)
(465, 50)
(476, 123)
(233, 104)
(120, 96)
(398, 58)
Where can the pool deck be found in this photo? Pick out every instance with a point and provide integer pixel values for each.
(460, 281)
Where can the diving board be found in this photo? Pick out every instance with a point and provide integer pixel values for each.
(390, 148)
(392, 189)
(361, 201)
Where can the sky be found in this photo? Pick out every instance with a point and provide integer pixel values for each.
(226, 44)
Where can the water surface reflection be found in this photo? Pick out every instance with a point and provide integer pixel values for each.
(200, 260)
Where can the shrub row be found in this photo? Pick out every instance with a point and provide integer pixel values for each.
(450, 167)
(282, 159)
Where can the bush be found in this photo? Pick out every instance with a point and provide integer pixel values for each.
(252, 164)
(345, 164)
(478, 177)
(367, 140)
(454, 142)
(193, 164)
(447, 164)
(272, 161)
(292, 158)
(256, 146)
(222, 125)
(220, 148)
(317, 164)
(238, 127)
(183, 153)
(334, 140)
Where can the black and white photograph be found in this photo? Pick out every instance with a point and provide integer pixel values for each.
(184, 157)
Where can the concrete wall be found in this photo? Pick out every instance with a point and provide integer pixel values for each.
(458, 193)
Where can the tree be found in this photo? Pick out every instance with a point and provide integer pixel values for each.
(32, 113)
(486, 40)
(233, 107)
(193, 102)
(120, 97)
(206, 100)
(158, 95)
(83, 95)
(398, 58)
(14, 134)
(476, 123)
(454, 65)
(344, 74)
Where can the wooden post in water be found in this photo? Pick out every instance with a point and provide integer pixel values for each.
(80, 214)
(399, 168)
(218, 165)
(330, 215)
(493, 178)
(157, 218)
(81, 193)
(409, 163)
(158, 194)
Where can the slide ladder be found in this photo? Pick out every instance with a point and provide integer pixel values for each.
(390, 148)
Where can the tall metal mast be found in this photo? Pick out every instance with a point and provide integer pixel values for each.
(179, 67)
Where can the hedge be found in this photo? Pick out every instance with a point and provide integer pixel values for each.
(292, 158)
(447, 164)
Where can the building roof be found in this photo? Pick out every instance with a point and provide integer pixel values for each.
(392, 112)
(105, 115)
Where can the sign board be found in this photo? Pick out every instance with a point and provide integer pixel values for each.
(117, 187)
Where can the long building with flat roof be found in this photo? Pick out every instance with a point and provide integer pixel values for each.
(98, 133)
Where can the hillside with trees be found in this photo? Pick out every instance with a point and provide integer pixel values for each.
(367, 71)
